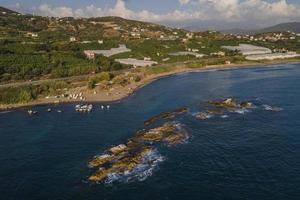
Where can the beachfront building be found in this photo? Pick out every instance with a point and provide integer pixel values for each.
(248, 49)
(136, 62)
(186, 53)
(107, 53)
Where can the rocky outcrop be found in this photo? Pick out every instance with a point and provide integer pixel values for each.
(125, 158)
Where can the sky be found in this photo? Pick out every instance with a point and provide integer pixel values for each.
(205, 14)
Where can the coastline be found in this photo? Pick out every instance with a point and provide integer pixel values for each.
(121, 93)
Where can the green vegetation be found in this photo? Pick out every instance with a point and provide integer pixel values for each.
(33, 48)
(24, 94)
(102, 77)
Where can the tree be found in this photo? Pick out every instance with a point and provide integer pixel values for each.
(92, 83)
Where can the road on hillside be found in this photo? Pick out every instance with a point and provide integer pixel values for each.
(37, 82)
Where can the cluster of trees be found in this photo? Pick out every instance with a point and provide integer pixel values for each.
(24, 94)
(109, 64)
(25, 62)
(102, 77)
(106, 78)
(17, 95)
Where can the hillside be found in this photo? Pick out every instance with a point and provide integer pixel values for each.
(35, 50)
(293, 27)
(36, 47)
(284, 27)
(2, 9)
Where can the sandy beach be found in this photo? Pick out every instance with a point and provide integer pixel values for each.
(118, 92)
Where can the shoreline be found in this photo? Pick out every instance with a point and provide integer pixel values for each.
(134, 87)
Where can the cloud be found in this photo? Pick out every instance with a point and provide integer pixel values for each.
(63, 11)
(258, 11)
(183, 2)
(237, 10)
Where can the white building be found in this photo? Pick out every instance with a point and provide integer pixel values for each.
(186, 53)
(220, 53)
(107, 53)
(135, 62)
(248, 49)
(273, 56)
(31, 34)
(72, 39)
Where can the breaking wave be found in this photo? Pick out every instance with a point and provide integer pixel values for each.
(271, 108)
(240, 111)
(141, 172)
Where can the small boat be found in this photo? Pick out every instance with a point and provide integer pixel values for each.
(32, 112)
(49, 110)
(59, 111)
(102, 107)
(108, 106)
(84, 108)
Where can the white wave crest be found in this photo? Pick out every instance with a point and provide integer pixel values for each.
(271, 108)
(141, 172)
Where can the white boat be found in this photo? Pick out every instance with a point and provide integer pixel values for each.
(84, 108)
(31, 112)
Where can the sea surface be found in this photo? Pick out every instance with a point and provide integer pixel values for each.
(246, 155)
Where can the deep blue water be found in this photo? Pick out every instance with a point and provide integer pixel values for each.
(250, 156)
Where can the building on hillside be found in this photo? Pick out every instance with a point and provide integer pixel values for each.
(189, 35)
(136, 63)
(248, 49)
(107, 53)
(31, 34)
(72, 39)
(219, 53)
(273, 56)
(187, 53)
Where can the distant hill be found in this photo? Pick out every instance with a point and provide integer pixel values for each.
(292, 26)
(239, 31)
(84, 28)
(194, 28)
(2, 9)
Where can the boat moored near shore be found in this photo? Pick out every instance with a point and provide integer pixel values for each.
(84, 108)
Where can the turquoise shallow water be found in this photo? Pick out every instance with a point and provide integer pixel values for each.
(255, 155)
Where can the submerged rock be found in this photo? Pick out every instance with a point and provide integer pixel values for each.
(101, 160)
(170, 133)
(166, 115)
(226, 103)
(272, 108)
(246, 105)
(123, 165)
(215, 111)
(118, 149)
(203, 115)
